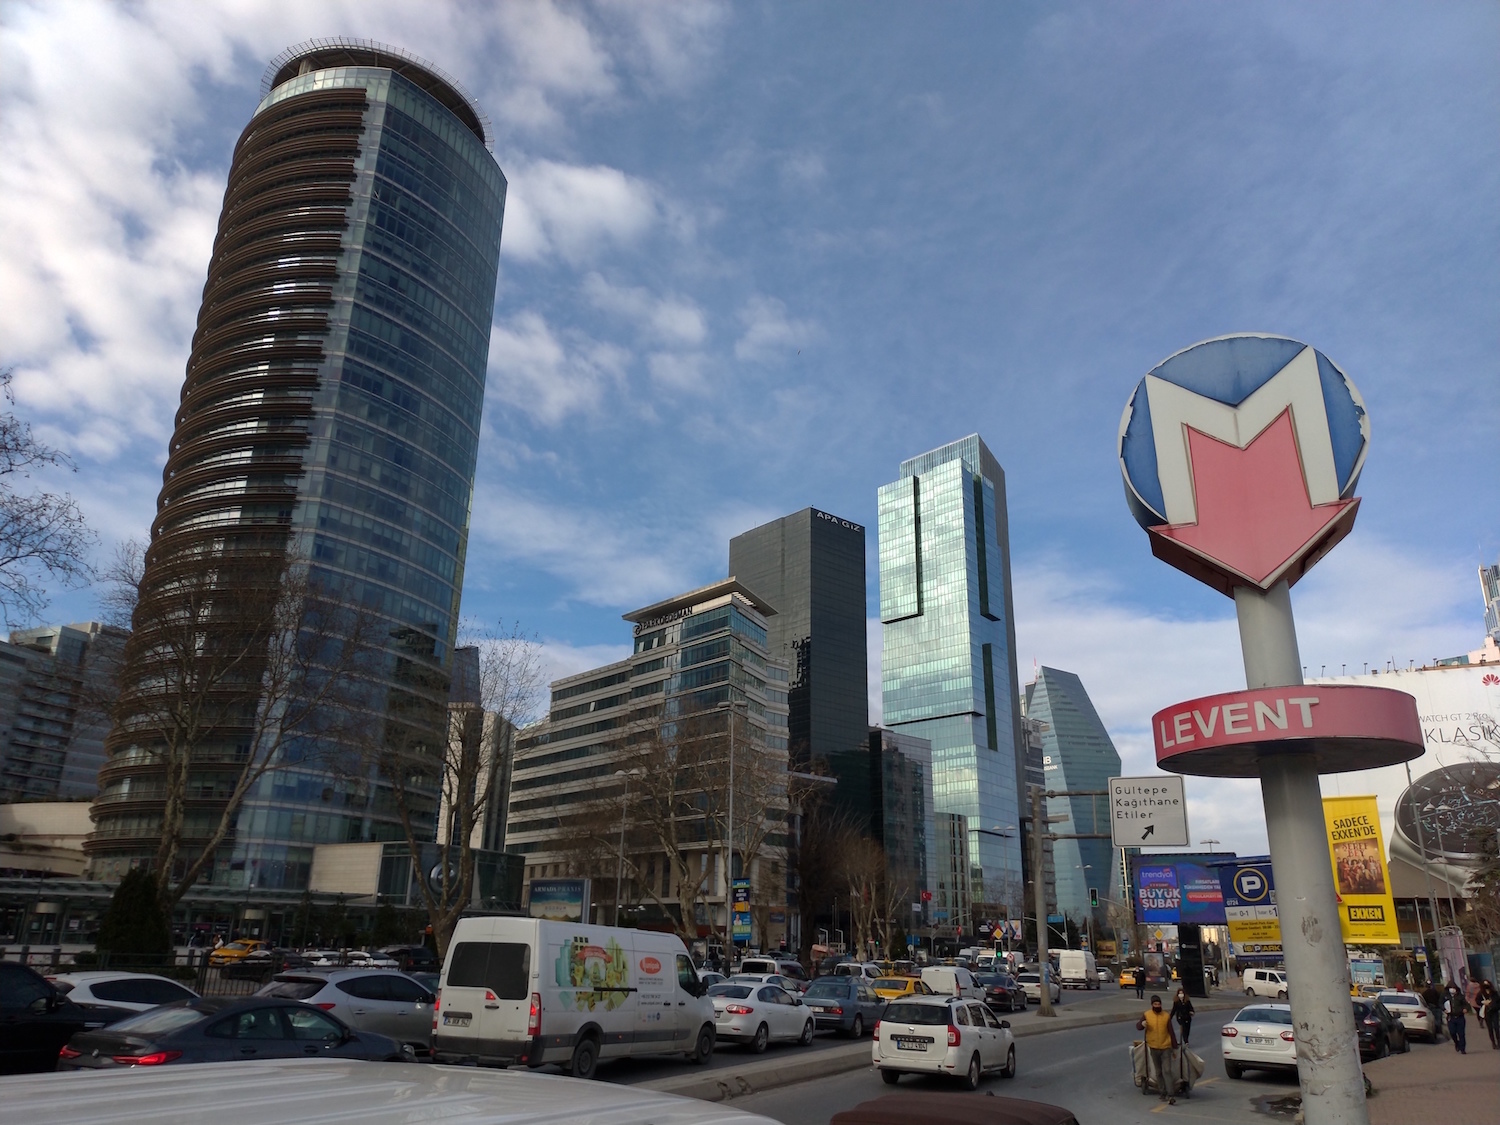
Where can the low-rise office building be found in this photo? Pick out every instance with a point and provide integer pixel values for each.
(627, 782)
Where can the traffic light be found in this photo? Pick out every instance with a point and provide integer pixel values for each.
(1094, 897)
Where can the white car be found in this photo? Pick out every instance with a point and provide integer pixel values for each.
(352, 959)
(1032, 983)
(1413, 1013)
(138, 992)
(1260, 1037)
(746, 1011)
(942, 1035)
(868, 969)
(791, 984)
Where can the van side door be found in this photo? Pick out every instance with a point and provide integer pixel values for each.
(656, 1016)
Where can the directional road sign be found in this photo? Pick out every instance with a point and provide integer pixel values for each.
(1148, 811)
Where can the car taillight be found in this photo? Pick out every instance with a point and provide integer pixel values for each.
(835, 1011)
(876, 1033)
(437, 1001)
(1290, 1037)
(1229, 1032)
(738, 1009)
(954, 1038)
(156, 1058)
(534, 1017)
(68, 1053)
(327, 1007)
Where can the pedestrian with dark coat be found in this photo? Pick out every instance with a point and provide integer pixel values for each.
(1487, 1008)
(1140, 983)
(1454, 1007)
(1182, 1012)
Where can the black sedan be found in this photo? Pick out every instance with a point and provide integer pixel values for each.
(209, 1030)
(847, 1004)
(1002, 992)
(36, 1019)
(1380, 1032)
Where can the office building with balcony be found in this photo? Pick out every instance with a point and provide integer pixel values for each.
(330, 423)
(1077, 755)
(948, 673)
(591, 787)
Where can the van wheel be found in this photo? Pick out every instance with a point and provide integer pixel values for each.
(971, 1077)
(1281, 995)
(761, 1040)
(585, 1059)
(704, 1048)
(890, 1077)
(1249, 992)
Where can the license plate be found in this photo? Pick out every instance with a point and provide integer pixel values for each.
(457, 1021)
(1258, 1040)
(911, 1043)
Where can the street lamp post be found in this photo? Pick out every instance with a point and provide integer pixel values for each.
(624, 776)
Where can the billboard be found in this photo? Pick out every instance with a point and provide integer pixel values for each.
(559, 900)
(1250, 910)
(1172, 889)
(1367, 912)
(740, 918)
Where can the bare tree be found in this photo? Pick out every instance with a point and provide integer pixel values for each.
(825, 836)
(39, 530)
(462, 771)
(238, 666)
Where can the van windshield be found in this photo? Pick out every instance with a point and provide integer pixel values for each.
(504, 967)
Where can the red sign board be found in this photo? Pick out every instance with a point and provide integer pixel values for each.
(1345, 727)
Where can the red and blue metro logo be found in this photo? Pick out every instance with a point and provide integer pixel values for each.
(1240, 457)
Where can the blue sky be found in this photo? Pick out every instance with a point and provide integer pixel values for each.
(757, 254)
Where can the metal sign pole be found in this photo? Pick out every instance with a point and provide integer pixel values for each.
(1333, 1091)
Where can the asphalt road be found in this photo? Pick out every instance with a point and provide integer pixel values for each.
(1085, 1069)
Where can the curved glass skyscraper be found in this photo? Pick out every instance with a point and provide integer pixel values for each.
(330, 414)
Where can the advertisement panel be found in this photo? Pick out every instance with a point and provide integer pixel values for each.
(1178, 889)
(740, 919)
(1250, 911)
(1367, 912)
(559, 900)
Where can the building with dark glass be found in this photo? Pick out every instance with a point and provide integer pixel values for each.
(1077, 754)
(948, 673)
(810, 566)
(330, 417)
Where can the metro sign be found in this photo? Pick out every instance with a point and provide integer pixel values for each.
(1240, 457)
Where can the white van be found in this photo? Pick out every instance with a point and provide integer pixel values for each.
(1076, 969)
(528, 991)
(1265, 982)
(952, 980)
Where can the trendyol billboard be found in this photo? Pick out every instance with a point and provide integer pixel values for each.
(1178, 888)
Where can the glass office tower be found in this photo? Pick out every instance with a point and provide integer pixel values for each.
(1077, 754)
(810, 566)
(331, 411)
(948, 672)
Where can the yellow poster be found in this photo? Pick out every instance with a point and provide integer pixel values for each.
(1367, 913)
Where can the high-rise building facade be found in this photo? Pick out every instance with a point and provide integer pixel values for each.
(810, 566)
(948, 672)
(330, 417)
(1489, 585)
(698, 658)
(54, 685)
(1077, 754)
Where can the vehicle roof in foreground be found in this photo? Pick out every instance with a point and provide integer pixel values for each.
(339, 1092)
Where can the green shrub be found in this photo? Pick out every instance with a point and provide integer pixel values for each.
(134, 929)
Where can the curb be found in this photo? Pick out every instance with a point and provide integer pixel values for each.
(770, 1074)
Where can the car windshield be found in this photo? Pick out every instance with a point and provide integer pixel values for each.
(1029, 978)
(989, 980)
(293, 989)
(932, 1015)
(733, 991)
(747, 978)
(892, 982)
(1405, 999)
(827, 987)
(1264, 1015)
(160, 1021)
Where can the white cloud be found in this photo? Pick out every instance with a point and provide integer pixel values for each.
(560, 658)
(671, 320)
(769, 332)
(573, 211)
(672, 43)
(547, 376)
(678, 371)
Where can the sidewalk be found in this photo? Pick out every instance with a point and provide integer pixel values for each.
(1437, 1084)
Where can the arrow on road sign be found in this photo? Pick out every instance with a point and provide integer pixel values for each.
(1150, 828)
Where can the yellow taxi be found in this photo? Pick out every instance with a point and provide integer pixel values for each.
(236, 951)
(894, 988)
(1127, 976)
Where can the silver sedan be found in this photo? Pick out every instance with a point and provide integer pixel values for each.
(378, 1000)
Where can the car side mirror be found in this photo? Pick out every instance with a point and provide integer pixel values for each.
(1005, 1024)
(797, 1000)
